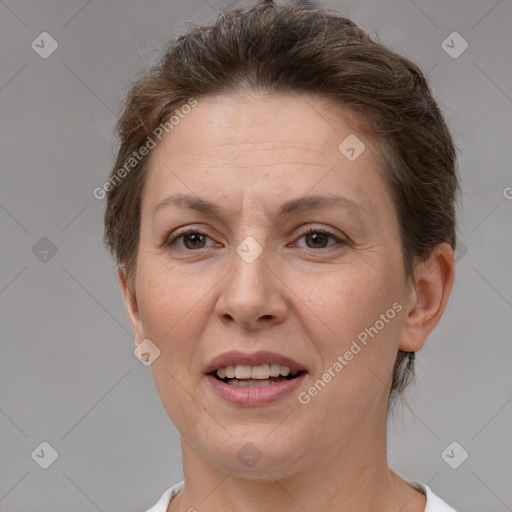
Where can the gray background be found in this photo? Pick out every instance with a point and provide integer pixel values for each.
(68, 373)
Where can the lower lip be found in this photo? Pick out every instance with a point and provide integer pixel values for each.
(258, 395)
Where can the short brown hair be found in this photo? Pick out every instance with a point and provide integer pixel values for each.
(300, 48)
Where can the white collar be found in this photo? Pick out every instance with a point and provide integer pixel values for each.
(434, 503)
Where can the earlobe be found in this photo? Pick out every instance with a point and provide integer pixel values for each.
(131, 305)
(433, 283)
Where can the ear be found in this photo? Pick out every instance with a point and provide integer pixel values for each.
(427, 301)
(131, 305)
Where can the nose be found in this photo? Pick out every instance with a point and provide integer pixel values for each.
(252, 294)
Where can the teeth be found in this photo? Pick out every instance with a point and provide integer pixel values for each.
(285, 370)
(249, 383)
(260, 372)
(230, 371)
(242, 371)
(275, 370)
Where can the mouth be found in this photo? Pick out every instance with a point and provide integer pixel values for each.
(247, 376)
(254, 379)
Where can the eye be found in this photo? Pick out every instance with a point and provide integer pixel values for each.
(318, 238)
(192, 240)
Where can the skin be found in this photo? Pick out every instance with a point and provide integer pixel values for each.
(304, 297)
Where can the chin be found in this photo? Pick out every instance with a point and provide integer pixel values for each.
(254, 454)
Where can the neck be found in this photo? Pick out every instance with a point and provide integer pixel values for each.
(354, 476)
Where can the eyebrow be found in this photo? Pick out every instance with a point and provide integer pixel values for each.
(301, 204)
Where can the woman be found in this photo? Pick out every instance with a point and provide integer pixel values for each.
(282, 214)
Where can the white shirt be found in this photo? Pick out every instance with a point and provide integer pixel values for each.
(434, 504)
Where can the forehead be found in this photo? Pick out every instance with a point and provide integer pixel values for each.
(258, 122)
(277, 146)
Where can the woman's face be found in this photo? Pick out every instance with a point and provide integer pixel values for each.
(319, 282)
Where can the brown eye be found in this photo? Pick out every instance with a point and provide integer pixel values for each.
(319, 239)
(190, 240)
(195, 240)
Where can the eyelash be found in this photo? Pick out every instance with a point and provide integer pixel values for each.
(189, 231)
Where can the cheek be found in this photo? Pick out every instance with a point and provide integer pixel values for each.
(361, 317)
(351, 299)
(354, 376)
(172, 309)
(169, 300)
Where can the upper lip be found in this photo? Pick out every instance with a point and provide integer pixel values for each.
(234, 357)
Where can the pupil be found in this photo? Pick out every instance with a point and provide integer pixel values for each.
(316, 237)
(193, 236)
